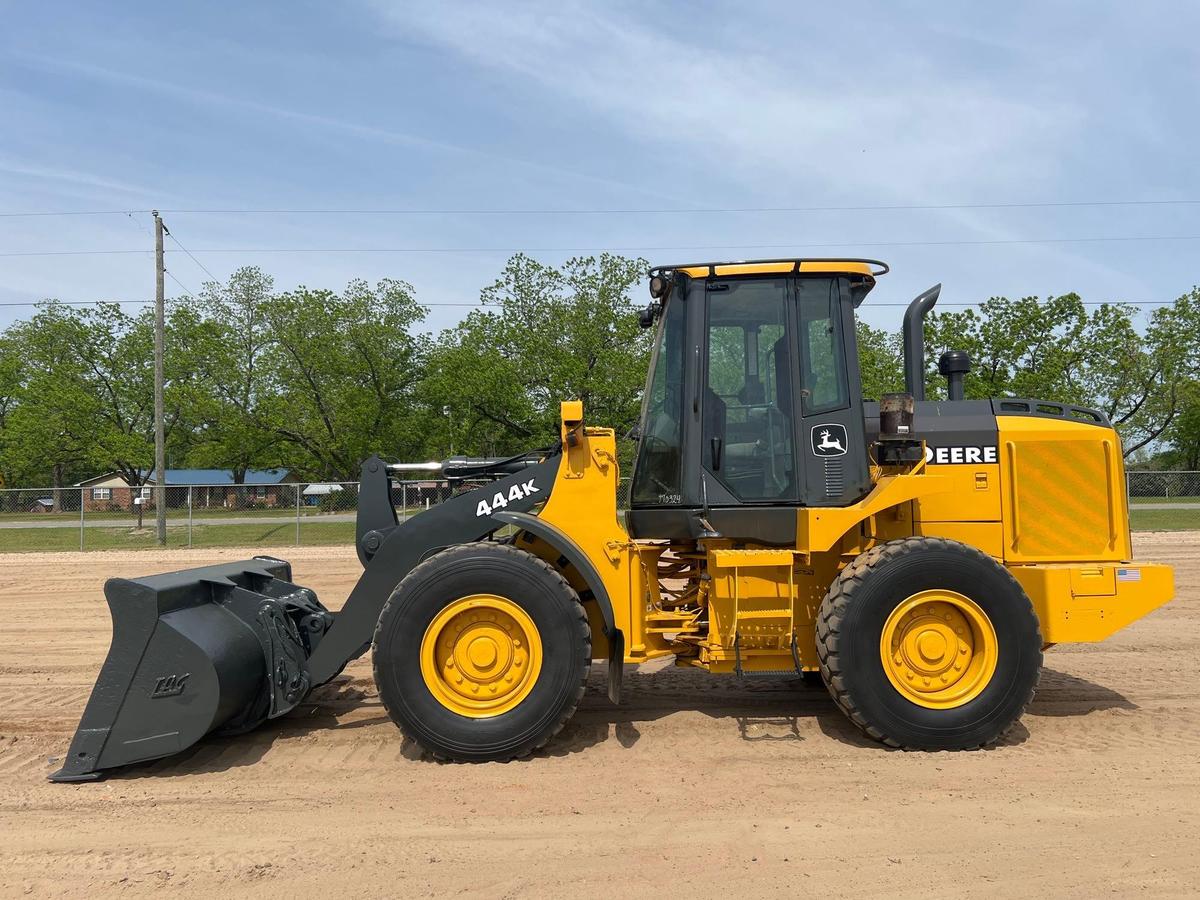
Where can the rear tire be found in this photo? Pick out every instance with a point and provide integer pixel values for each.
(897, 623)
(481, 653)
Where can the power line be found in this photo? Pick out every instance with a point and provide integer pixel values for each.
(74, 212)
(132, 214)
(81, 302)
(463, 304)
(550, 211)
(638, 249)
(186, 290)
(192, 258)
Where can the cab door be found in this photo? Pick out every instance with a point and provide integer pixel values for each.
(831, 434)
(748, 428)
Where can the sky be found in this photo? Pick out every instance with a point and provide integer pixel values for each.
(957, 142)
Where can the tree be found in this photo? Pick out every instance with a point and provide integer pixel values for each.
(1183, 437)
(547, 334)
(344, 369)
(881, 361)
(235, 430)
(1056, 350)
(44, 432)
(87, 402)
(12, 376)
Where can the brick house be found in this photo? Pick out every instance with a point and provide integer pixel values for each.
(210, 489)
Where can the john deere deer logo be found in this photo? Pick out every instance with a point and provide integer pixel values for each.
(829, 440)
(170, 685)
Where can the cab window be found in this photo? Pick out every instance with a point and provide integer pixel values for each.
(822, 358)
(657, 473)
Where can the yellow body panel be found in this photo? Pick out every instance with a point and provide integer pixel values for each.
(820, 528)
(1062, 491)
(987, 536)
(972, 494)
(583, 504)
(1091, 602)
(853, 268)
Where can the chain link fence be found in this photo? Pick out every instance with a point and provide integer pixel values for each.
(117, 517)
(1151, 488)
(105, 517)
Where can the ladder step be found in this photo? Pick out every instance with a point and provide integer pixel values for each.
(748, 559)
(772, 673)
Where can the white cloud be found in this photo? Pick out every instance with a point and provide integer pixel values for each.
(787, 110)
(70, 176)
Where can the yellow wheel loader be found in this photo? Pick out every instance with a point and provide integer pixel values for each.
(920, 555)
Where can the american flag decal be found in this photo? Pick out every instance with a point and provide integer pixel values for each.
(1129, 574)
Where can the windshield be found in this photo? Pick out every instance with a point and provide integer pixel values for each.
(657, 474)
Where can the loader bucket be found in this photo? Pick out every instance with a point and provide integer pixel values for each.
(218, 648)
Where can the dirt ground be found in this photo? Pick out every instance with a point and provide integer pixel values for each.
(696, 785)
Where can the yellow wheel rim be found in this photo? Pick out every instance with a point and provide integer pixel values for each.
(939, 649)
(481, 656)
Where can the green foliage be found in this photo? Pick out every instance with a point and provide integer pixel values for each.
(86, 401)
(1056, 350)
(546, 335)
(236, 372)
(881, 360)
(12, 377)
(316, 380)
(345, 371)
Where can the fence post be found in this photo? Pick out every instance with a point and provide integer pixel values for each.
(81, 493)
(297, 514)
(403, 501)
(189, 516)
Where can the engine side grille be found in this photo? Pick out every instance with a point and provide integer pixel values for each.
(835, 478)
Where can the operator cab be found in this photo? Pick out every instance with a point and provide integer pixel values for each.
(753, 403)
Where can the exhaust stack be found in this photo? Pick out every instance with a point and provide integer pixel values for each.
(914, 341)
(954, 365)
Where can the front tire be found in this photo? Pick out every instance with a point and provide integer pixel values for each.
(929, 644)
(481, 653)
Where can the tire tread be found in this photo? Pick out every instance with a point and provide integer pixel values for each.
(837, 602)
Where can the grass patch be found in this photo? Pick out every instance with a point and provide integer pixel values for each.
(128, 520)
(1164, 519)
(18, 540)
(1134, 501)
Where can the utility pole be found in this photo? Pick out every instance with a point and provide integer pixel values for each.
(160, 465)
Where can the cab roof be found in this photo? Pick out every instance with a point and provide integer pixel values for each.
(870, 268)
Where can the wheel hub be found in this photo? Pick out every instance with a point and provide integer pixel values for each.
(481, 655)
(939, 649)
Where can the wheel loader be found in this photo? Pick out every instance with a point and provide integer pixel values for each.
(919, 554)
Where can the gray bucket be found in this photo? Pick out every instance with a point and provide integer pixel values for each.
(212, 649)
